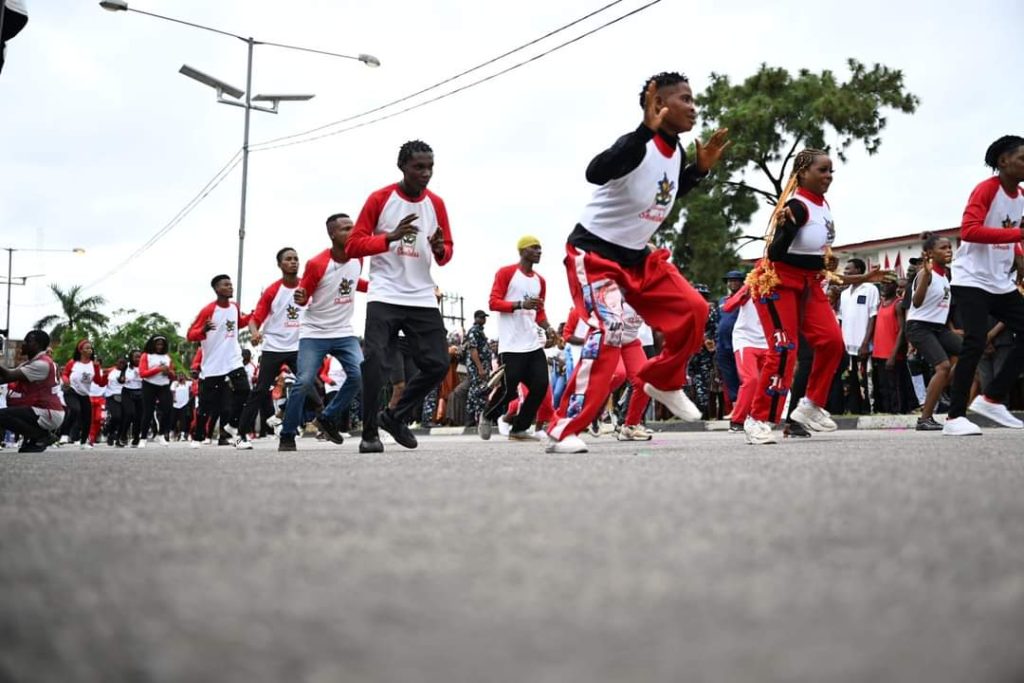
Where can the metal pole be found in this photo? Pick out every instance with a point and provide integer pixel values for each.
(245, 171)
(10, 257)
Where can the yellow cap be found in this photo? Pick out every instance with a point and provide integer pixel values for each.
(527, 241)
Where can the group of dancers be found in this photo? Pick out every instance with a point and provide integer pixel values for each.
(617, 280)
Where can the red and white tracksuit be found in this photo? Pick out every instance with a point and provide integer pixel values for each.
(750, 349)
(798, 306)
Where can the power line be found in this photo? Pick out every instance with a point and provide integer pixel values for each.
(270, 144)
(209, 187)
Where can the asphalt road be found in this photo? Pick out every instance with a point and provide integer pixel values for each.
(856, 556)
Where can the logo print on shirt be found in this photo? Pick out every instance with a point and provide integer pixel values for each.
(665, 189)
(229, 325)
(1009, 222)
(830, 230)
(345, 287)
(292, 312)
(407, 246)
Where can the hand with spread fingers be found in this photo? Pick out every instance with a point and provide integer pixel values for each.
(653, 114)
(708, 154)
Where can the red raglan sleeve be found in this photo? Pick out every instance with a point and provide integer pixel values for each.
(542, 316)
(144, 369)
(362, 241)
(313, 273)
(499, 289)
(243, 318)
(325, 368)
(442, 224)
(362, 284)
(98, 376)
(196, 333)
(973, 228)
(197, 361)
(262, 309)
(66, 372)
(736, 300)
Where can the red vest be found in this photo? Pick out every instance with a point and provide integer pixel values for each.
(42, 394)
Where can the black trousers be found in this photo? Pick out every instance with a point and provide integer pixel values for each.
(975, 306)
(115, 415)
(220, 399)
(78, 417)
(23, 421)
(131, 415)
(530, 368)
(259, 401)
(156, 401)
(427, 339)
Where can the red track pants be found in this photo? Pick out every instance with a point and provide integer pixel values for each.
(798, 306)
(660, 295)
(749, 361)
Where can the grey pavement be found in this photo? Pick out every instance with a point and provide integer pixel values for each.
(855, 556)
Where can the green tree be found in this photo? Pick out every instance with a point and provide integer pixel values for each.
(79, 316)
(771, 116)
(133, 332)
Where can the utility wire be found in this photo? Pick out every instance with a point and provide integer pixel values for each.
(216, 180)
(268, 146)
(441, 82)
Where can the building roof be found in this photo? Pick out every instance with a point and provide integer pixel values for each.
(893, 241)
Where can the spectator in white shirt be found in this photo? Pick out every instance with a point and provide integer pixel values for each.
(858, 307)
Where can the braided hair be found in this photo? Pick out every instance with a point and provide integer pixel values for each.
(410, 148)
(763, 279)
(1005, 144)
(665, 78)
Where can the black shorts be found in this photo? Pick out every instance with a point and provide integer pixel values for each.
(934, 342)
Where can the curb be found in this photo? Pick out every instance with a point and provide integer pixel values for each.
(843, 422)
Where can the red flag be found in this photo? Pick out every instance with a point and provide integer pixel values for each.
(886, 266)
(898, 267)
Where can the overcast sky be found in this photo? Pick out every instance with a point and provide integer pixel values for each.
(104, 142)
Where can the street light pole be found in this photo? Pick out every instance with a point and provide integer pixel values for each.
(10, 279)
(223, 88)
(245, 170)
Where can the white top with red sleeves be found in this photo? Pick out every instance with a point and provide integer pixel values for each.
(221, 352)
(400, 270)
(334, 372)
(518, 330)
(279, 318)
(149, 369)
(989, 237)
(332, 287)
(747, 332)
(81, 375)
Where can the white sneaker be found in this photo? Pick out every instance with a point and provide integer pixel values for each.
(195, 444)
(814, 418)
(387, 439)
(161, 441)
(273, 421)
(85, 446)
(207, 441)
(233, 431)
(243, 445)
(504, 428)
(676, 401)
(758, 433)
(63, 440)
(570, 444)
(996, 412)
(633, 433)
(142, 443)
(960, 426)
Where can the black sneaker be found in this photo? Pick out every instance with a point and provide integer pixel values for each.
(371, 445)
(29, 446)
(928, 424)
(329, 429)
(287, 443)
(795, 429)
(397, 429)
(736, 427)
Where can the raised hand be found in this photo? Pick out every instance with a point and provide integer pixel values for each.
(653, 114)
(881, 276)
(301, 296)
(708, 154)
(405, 227)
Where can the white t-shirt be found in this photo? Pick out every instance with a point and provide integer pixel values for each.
(747, 332)
(989, 238)
(331, 286)
(935, 307)
(179, 392)
(858, 304)
(400, 270)
(221, 351)
(518, 329)
(114, 387)
(132, 378)
(80, 376)
(278, 317)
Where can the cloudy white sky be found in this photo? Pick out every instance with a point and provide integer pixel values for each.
(103, 141)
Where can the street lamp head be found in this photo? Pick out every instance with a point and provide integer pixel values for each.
(282, 98)
(369, 60)
(114, 5)
(215, 83)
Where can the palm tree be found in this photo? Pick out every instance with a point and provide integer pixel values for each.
(78, 313)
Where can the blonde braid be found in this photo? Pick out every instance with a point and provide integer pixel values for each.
(763, 279)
